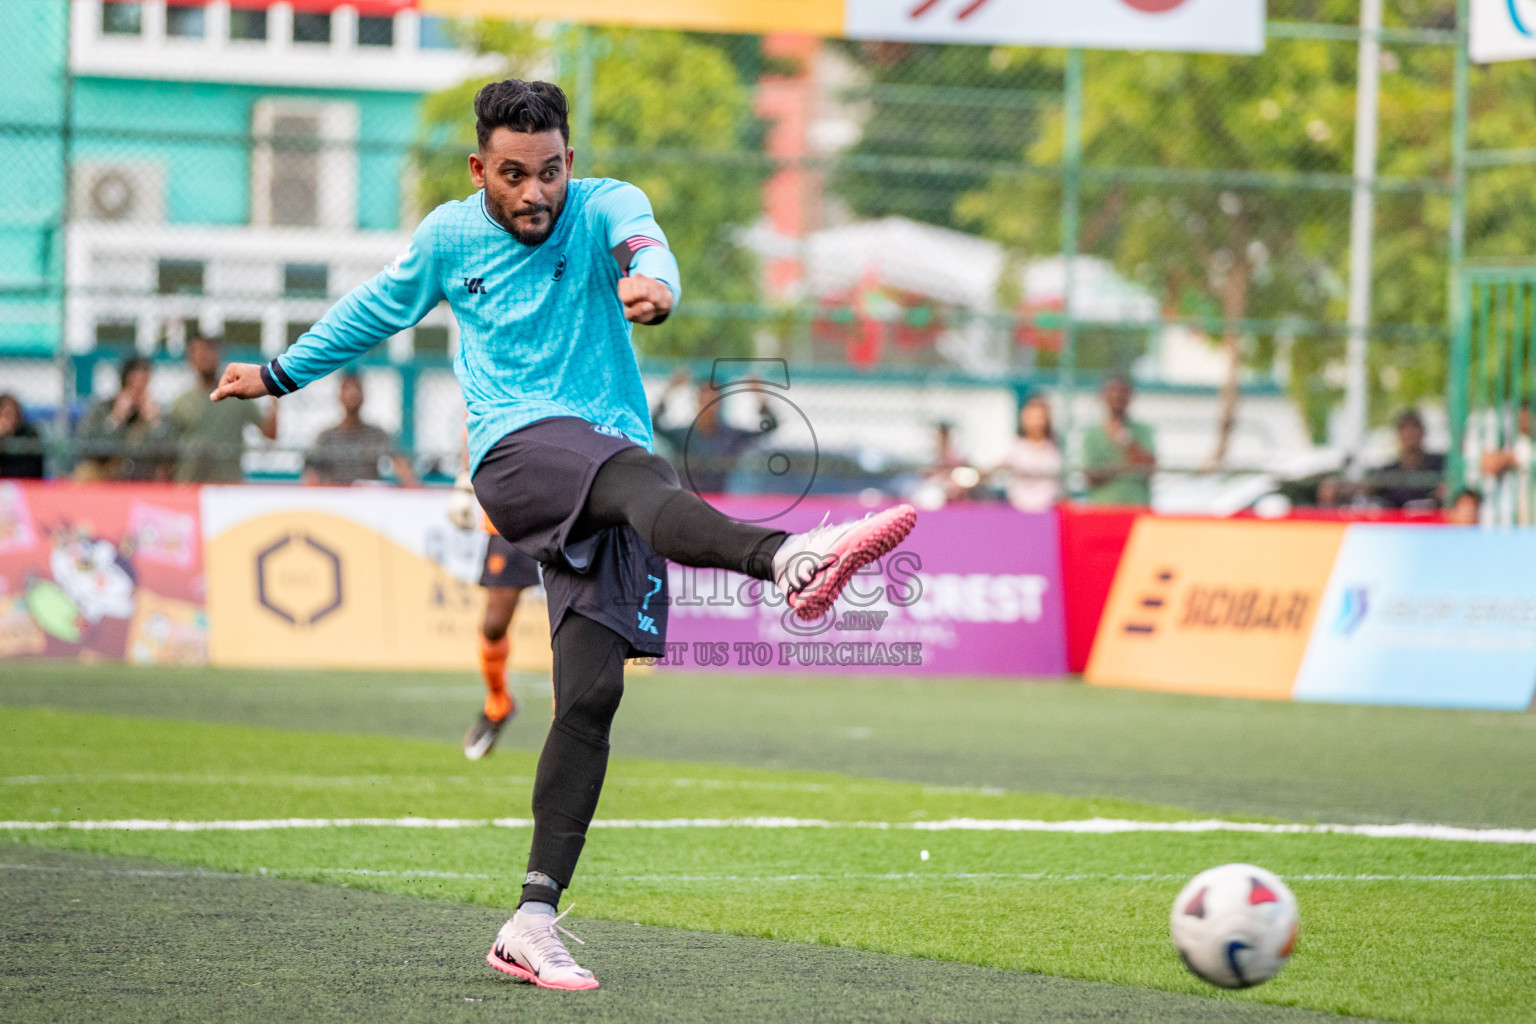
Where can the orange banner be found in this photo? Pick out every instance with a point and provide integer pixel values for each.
(811, 17)
(1214, 607)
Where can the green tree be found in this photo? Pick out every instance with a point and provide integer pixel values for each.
(670, 113)
(939, 118)
(1208, 249)
(1250, 255)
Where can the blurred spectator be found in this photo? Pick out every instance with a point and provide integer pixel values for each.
(125, 437)
(211, 435)
(1330, 492)
(1415, 479)
(1513, 464)
(1466, 509)
(21, 447)
(946, 456)
(1033, 462)
(1118, 453)
(352, 451)
(708, 448)
(950, 477)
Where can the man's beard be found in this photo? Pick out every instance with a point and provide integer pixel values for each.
(516, 222)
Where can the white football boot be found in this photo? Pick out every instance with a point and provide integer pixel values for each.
(528, 947)
(812, 568)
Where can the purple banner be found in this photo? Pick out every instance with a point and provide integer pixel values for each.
(975, 590)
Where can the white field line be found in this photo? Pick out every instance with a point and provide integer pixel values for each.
(432, 781)
(907, 876)
(1091, 826)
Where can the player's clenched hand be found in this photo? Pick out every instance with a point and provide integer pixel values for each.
(240, 380)
(646, 300)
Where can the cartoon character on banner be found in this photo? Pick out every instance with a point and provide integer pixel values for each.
(93, 580)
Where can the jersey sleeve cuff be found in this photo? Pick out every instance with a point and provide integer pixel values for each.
(276, 380)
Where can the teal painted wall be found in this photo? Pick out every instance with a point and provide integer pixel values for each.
(32, 36)
(197, 132)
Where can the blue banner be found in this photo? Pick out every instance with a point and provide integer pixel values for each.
(1426, 615)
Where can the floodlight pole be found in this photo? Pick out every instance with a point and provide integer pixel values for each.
(1361, 234)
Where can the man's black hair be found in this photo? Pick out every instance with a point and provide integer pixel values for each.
(1410, 417)
(128, 366)
(530, 107)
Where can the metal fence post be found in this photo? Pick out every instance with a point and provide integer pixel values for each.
(1362, 231)
(583, 103)
(68, 384)
(1456, 304)
(1071, 209)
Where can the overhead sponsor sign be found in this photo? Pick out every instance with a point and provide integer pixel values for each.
(1221, 26)
(111, 572)
(1433, 617)
(1218, 26)
(1503, 30)
(974, 590)
(1214, 607)
(347, 577)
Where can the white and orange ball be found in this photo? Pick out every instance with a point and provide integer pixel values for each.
(1235, 926)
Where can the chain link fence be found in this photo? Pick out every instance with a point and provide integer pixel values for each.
(926, 233)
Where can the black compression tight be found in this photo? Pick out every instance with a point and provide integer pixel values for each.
(636, 488)
(642, 489)
(589, 681)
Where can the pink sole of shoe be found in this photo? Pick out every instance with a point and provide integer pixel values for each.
(521, 975)
(882, 533)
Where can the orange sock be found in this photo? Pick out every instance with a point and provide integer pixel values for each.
(493, 665)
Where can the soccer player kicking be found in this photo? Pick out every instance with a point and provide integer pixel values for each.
(545, 274)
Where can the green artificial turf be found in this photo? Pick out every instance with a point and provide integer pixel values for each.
(114, 940)
(1304, 762)
(1407, 943)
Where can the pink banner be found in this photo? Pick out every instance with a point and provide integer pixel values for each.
(975, 590)
(110, 571)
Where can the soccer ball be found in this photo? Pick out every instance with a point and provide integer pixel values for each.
(1235, 925)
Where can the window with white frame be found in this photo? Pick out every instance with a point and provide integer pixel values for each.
(122, 18)
(247, 25)
(304, 164)
(185, 21)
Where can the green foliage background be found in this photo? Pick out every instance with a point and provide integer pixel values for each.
(672, 113)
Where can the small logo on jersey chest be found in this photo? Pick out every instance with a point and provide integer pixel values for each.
(475, 285)
(560, 269)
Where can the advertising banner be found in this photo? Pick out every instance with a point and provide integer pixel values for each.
(974, 590)
(1215, 26)
(1093, 537)
(347, 577)
(110, 572)
(1433, 617)
(1503, 30)
(1214, 607)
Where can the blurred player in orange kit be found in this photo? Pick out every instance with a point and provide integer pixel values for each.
(506, 573)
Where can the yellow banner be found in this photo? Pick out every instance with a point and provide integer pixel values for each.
(812, 17)
(332, 588)
(1215, 608)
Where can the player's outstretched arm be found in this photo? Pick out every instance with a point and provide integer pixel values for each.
(391, 302)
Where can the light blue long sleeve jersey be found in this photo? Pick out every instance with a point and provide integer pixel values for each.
(541, 329)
